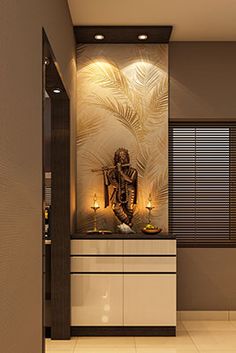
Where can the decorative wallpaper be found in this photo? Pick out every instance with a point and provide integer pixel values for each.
(122, 97)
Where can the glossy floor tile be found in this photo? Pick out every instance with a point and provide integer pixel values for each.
(233, 323)
(192, 337)
(214, 340)
(105, 344)
(182, 342)
(61, 346)
(104, 350)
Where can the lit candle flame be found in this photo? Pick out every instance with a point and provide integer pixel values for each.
(149, 204)
(95, 203)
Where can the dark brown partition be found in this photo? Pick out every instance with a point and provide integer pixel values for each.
(60, 194)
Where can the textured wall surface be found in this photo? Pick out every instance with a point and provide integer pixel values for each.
(122, 101)
(21, 25)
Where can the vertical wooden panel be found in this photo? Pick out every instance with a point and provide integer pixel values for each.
(60, 222)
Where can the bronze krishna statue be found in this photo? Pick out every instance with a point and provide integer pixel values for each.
(124, 179)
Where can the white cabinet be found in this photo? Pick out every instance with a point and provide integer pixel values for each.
(149, 264)
(97, 247)
(95, 264)
(123, 282)
(97, 300)
(150, 300)
(150, 247)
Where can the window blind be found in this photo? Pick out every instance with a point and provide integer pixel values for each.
(202, 182)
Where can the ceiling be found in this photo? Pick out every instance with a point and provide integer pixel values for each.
(192, 20)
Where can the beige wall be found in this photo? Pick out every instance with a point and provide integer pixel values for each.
(206, 279)
(202, 80)
(21, 25)
(202, 87)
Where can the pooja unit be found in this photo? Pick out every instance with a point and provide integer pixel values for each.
(123, 284)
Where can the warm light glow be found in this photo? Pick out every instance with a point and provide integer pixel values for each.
(149, 204)
(142, 36)
(95, 203)
(99, 36)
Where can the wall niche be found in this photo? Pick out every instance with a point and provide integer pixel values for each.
(122, 98)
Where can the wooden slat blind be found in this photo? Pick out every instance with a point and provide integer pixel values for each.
(233, 183)
(202, 188)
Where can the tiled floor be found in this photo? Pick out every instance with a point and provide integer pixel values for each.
(192, 337)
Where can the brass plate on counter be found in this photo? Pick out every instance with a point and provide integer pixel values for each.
(102, 232)
(151, 231)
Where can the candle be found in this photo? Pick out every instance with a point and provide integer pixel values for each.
(95, 203)
(149, 204)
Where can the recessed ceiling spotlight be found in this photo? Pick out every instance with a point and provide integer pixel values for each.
(142, 36)
(56, 90)
(46, 61)
(99, 36)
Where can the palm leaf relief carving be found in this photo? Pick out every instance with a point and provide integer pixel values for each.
(96, 159)
(140, 105)
(86, 128)
(159, 58)
(123, 112)
(159, 99)
(147, 165)
(108, 75)
(147, 75)
(160, 188)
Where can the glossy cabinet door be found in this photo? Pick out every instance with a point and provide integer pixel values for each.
(96, 247)
(150, 300)
(149, 264)
(150, 247)
(96, 264)
(97, 300)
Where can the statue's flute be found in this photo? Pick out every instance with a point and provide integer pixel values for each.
(108, 168)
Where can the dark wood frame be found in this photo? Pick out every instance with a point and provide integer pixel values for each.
(60, 213)
(123, 331)
(122, 34)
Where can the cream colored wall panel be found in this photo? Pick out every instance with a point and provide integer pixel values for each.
(150, 247)
(149, 300)
(96, 300)
(99, 247)
(149, 264)
(97, 264)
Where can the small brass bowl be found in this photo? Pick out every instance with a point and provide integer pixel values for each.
(151, 231)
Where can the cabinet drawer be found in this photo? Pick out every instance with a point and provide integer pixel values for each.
(96, 264)
(150, 247)
(150, 264)
(97, 247)
(96, 300)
